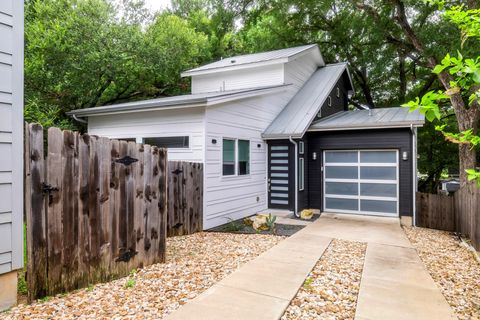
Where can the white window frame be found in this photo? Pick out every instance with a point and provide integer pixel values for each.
(189, 149)
(236, 169)
(359, 197)
(301, 174)
(338, 92)
(329, 101)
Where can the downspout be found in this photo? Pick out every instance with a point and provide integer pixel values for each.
(78, 119)
(295, 212)
(414, 169)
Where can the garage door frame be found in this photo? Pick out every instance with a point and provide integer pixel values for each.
(359, 180)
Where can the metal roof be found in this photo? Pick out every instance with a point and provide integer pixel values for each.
(276, 56)
(299, 113)
(182, 101)
(397, 117)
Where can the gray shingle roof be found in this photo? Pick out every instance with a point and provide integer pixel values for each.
(188, 100)
(299, 113)
(369, 119)
(253, 58)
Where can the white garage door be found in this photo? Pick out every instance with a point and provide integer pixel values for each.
(361, 181)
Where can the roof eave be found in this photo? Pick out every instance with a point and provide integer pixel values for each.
(389, 126)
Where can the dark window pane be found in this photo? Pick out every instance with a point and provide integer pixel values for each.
(228, 157)
(168, 142)
(243, 157)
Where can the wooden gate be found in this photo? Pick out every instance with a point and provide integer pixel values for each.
(96, 209)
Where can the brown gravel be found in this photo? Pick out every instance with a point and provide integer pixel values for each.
(453, 268)
(194, 263)
(331, 289)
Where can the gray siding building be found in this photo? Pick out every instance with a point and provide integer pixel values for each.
(11, 148)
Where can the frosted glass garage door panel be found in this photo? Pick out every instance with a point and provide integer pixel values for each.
(378, 157)
(378, 189)
(333, 172)
(378, 173)
(378, 206)
(341, 204)
(342, 188)
(341, 157)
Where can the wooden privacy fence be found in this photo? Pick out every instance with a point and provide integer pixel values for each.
(459, 212)
(97, 208)
(185, 198)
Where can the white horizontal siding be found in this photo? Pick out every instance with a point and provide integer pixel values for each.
(234, 197)
(11, 135)
(239, 79)
(166, 123)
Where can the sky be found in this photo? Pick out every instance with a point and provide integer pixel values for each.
(155, 5)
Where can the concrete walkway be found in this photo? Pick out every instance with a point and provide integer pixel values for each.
(262, 288)
(395, 284)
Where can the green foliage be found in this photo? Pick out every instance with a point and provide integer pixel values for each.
(131, 281)
(233, 226)
(307, 284)
(464, 84)
(270, 222)
(22, 286)
(79, 54)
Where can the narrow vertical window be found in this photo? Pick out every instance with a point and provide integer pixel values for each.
(228, 157)
(301, 147)
(329, 101)
(243, 157)
(301, 174)
(338, 92)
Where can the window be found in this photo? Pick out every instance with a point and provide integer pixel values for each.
(168, 142)
(329, 101)
(243, 157)
(301, 147)
(338, 92)
(228, 157)
(236, 157)
(301, 174)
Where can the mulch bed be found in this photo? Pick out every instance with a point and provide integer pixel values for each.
(194, 263)
(331, 289)
(452, 266)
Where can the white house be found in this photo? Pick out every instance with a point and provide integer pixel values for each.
(272, 130)
(11, 148)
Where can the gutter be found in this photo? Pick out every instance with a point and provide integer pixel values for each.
(295, 212)
(414, 169)
(74, 116)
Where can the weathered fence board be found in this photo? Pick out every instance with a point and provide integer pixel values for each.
(96, 208)
(185, 198)
(459, 212)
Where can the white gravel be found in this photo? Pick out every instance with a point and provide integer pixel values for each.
(453, 268)
(331, 289)
(194, 263)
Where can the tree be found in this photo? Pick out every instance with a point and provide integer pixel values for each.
(80, 54)
(460, 78)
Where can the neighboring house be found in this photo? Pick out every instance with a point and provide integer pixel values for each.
(11, 148)
(273, 131)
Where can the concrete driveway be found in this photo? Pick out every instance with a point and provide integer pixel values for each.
(394, 284)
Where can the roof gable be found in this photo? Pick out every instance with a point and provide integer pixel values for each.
(256, 59)
(298, 114)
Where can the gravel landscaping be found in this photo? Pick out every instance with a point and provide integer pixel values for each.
(194, 263)
(453, 268)
(331, 289)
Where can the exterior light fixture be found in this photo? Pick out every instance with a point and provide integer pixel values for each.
(314, 156)
(404, 155)
(214, 141)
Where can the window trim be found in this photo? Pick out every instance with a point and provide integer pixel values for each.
(301, 174)
(338, 92)
(236, 168)
(329, 101)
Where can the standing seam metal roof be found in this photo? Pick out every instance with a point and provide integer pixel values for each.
(251, 58)
(374, 118)
(299, 113)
